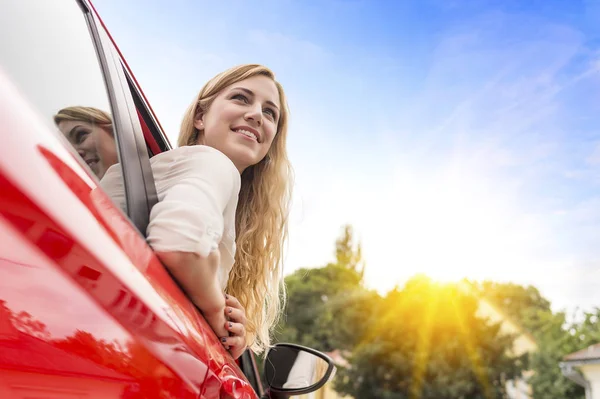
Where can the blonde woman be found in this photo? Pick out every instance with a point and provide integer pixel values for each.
(221, 219)
(89, 130)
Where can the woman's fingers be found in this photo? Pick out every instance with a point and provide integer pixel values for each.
(236, 315)
(233, 342)
(217, 322)
(236, 328)
(233, 302)
(234, 347)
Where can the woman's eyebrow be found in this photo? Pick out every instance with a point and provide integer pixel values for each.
(73, 131)
(250, 92)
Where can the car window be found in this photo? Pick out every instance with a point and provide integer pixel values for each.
(48, 53)
(156, 139)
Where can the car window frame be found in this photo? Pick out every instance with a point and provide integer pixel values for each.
(138, 181)
(247, 363)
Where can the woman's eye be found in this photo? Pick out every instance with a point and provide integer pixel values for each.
(80, 136)
(240, 97)
(270, 112)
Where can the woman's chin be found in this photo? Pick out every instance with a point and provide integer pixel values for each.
(244, 158)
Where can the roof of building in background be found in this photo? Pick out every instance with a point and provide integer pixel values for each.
(590, 353)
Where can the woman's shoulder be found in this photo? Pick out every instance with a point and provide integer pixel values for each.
(193, 156)
(194, 161)
(191, 153)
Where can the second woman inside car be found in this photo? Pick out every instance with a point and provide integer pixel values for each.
(89, 130)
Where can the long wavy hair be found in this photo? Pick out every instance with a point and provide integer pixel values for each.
(256, 279)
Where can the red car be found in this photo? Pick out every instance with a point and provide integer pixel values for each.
(86, 309)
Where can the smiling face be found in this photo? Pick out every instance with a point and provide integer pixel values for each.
(94, 144)
(242, 121)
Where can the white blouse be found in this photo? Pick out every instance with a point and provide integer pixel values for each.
(198, 188)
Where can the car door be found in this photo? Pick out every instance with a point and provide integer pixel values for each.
(86, 309)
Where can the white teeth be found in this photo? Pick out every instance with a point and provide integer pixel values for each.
(247, 133)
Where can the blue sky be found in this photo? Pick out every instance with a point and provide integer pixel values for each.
(459, 138)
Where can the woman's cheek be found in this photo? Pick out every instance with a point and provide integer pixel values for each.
(270, 137)
(106, 146)
(88, 145)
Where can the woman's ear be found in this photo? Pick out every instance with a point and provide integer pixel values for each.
(199, 121)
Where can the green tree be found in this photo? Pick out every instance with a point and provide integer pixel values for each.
(555, 337)
(425, 341)
(347, 253)
(587, 332)
(524, 305)
(311, 292)
(345, 318)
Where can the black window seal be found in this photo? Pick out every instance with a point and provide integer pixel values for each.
(250, 370)
(140, 190)
(142, 106)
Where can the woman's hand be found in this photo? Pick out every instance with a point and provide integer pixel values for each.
(217, 320)
(236, 325)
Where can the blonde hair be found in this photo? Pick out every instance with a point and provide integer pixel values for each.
(90, 115)
(256, 279)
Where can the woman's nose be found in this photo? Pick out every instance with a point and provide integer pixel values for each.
(80, 150)
(254, 114)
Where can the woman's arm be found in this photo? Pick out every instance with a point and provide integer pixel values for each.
(198, 277)
(197, 184)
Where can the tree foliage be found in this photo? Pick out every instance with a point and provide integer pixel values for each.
(425, 341)
(523, 304)
(555, 336)
(347, 253)
(311, 292)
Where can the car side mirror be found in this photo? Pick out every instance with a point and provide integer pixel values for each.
(296, 370)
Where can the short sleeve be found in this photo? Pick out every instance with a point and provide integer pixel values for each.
(195, 185)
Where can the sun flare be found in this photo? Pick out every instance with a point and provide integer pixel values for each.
(450, 229)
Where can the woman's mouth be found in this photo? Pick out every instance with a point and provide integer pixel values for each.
(252, 135)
